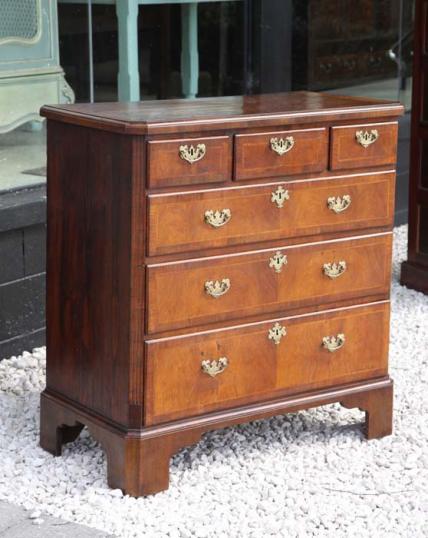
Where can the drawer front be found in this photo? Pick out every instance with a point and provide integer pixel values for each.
(187, 222)
(361, 146)
(280, 153)
(184, 162)
(210, 371)
(190, 293)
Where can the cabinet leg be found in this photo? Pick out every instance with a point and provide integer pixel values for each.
(140, 466)
(57, 426)
(135, 464)
(378, 406)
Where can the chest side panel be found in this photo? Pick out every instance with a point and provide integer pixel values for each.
(88, 267)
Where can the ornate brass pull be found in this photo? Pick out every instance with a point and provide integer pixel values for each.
(217, 288)
(214, 368)
(280, 196)
(216, 219)
(276, 333)
(192, 154)
(334, 270)
(339, 204)
(333, 343)
(277, 261)
(282, 145)
(365, 138)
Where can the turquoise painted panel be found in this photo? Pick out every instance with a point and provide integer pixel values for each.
(28, 37)
(30, 74)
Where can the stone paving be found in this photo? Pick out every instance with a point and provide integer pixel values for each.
(15, 522)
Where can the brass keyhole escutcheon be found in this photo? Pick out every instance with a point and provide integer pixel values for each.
(276, 333)
(280, 196)
(278, 261)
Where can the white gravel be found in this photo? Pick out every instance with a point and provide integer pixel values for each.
(304, 474)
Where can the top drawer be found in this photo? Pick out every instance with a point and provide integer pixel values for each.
(280, 153)
(361, 146)
(188, 161)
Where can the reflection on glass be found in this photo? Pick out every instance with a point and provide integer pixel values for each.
(423, 230)
(347, 45)
(362, 48)
(263, 46)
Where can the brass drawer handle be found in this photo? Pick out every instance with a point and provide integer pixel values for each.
(366, 138)
(213, 368)
(217, 288)
(282, 145)
(192, 154)
(334, 270)
(276, 333)
(339, 204)
(278, 261)
(280, 196)
(216, 219)
(333, 343)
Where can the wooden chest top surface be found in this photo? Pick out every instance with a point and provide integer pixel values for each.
(187, 115)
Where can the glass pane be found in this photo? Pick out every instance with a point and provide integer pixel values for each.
(362, 47)
(348, 45)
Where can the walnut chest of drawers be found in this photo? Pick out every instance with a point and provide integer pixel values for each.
(212, 262)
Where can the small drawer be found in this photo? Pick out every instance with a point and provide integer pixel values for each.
(196, 374)
(363, 146)
(194, 292)
(280, 153)
(193, 160)
(232, 216)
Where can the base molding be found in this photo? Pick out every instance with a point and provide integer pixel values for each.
(414, 276)
(138, 460)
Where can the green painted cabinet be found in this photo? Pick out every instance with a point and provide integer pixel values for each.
(30, 73)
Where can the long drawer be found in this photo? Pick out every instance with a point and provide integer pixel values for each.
(189, 293)
(231, 216)
(203, 372)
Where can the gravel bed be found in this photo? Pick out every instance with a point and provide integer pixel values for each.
(305, 474)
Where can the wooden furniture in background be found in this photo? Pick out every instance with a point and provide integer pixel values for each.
(212, 262)
(414, 271)
(346, 43)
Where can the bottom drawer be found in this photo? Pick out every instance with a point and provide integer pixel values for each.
(194, 374)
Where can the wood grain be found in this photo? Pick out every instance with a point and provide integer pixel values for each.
(179, 116)
(176, 222)
(88, 268)
(259, 369)
(347, 153)
(166, 168)
(129, 253)
(255, 158)
(138, 462)
(177, 297)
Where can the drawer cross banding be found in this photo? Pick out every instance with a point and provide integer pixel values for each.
(211, 262)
